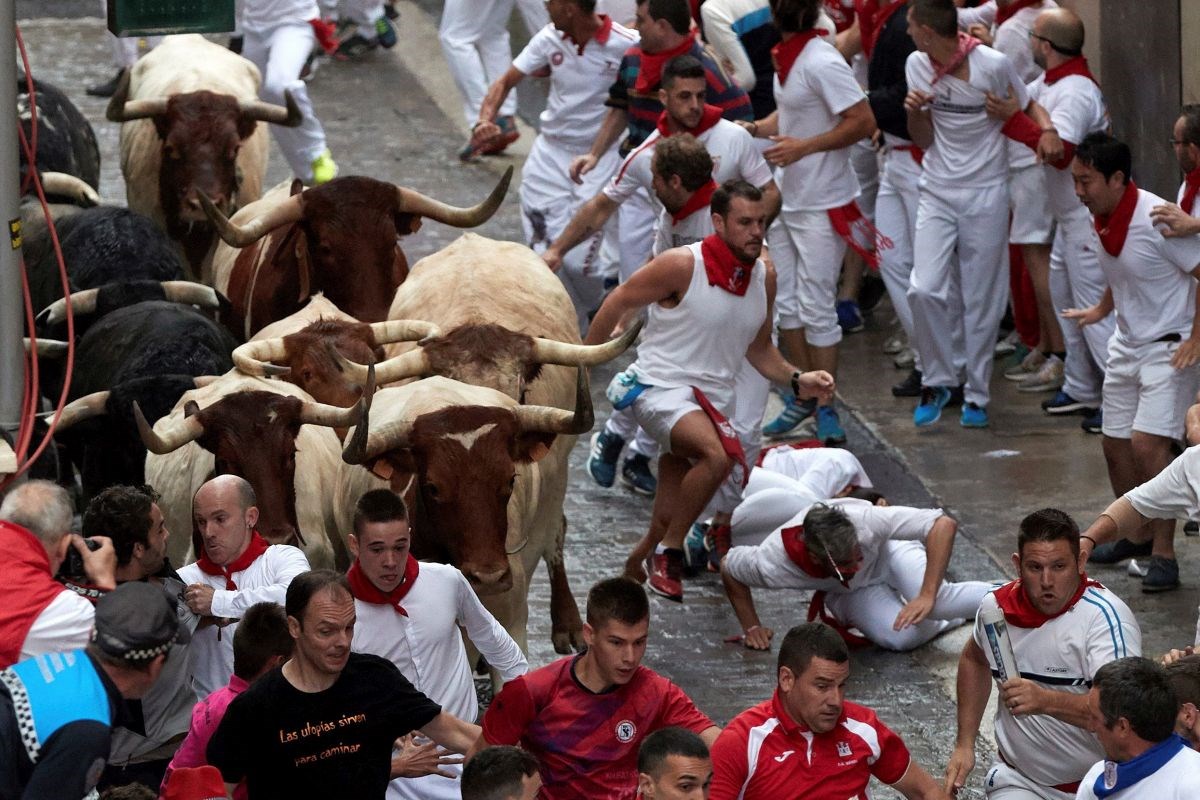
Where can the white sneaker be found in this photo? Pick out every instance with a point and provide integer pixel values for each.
(1007, 345)
(1028, 366)
(1047, 379)
(905, 359)
(895, 343)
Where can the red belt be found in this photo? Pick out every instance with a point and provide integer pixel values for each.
(917, 153)
(1069, 788)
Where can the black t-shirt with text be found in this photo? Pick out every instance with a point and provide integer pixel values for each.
(291, 744)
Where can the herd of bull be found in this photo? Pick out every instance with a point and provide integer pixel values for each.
(252, 332)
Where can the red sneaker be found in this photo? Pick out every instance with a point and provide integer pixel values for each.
(666, 574)
(722, 540)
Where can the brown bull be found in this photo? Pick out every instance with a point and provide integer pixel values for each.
(339, 238)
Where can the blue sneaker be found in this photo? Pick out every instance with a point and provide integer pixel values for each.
(849, 316)
(602, 461)
(829, 427)
(973, 416)
(385, 32)
(1093, 422)
(695, 551)
(636, 474)
(1063, 403)
(794, 412)
(929, 410)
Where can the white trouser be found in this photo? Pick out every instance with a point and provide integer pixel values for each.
(770, 501)
(751, 390)
(636, 220)
(864, 159)
(873, 609)
(966, 218)
(623, 424)
(1076, 281)
(896, 219)
(549, 199)
(280, 53)
(474, 36)
(808, 253)
(1002, 782)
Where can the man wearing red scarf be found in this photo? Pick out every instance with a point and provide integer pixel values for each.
(1183, 219)
(687, 363)
(1062, 627)
(1151, 374)
(236, 568)
(409, 612)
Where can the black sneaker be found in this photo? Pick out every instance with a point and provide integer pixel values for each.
(390, 10)
(106, 89)
(1118, 551)
(872, 291)
(1093, 422)
(235, 44)
(1162, 576)
(1191, 528)
(910, 386)
(354, 47)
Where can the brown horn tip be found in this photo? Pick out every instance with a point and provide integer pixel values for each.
(355, 451)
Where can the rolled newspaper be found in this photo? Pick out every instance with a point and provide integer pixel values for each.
(996, 630)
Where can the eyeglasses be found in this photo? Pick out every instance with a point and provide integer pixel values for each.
(1176, 142)
(1033, 35)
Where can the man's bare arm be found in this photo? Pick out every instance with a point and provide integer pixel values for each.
(589, 219)
(665, 276)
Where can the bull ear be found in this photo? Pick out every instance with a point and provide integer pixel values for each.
(191, 408)
(245, 126)
(303, 267)
(531, 446)
(406, 223)
(297, 186)
(162, 125)
(396, 461)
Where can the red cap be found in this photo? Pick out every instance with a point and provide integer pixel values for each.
(194, 783)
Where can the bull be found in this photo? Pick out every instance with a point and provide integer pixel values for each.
(68, 156)
(339, 238)
(190, 114)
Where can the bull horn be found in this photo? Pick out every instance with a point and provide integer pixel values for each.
(190, 293)
(82, 302)
(66, 185)
(122, 109)
(288, 115)
(548, 351)
(86, 407)
(48, 348)
(549, 419)
(412, 364)
(200, 381)
(413, 202)
(313, 413)
(404, 330)
(189, 429)
(254, 357)
(288, 211)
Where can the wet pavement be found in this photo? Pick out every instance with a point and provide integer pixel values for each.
(393, 116)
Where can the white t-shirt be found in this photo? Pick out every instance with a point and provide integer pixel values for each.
(820, 88)
(689, 230)
(731, 147)
(1153, 290)
(262, 15)
(1178, 779)
(578, 82)
(1076, 107)
(983, 14)
(1062, 655)
(829, 468)
(210, 655)
(1012, 39)
(968, 148)
(64, 625)
(767, 565)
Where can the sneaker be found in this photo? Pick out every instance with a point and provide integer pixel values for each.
(1047, 379)
(910, 386)
(354, 47)
(1162, 576)
(469, 153)
(508, 135)
(929, 410)
(602, 460)
(324, 169)
(235, 43)
(895, 343)
(1063, 403)
(1118, 551)
(1027, 366)
(390, 11)
(719, 540)
(695, 550)
(849, 316)
(973, 416)
(1191, 528)
(666, 574)
(1093, 422)
(106, 89)
(905, 359)
(1007, 345)
(829, 426)
(872, 291)
(794, 412)
(385, 33)
(636, 474)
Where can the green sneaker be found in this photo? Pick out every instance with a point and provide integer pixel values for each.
(324, 169)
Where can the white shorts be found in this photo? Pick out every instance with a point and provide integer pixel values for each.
(808, 260)
(659, 408)
(1032, 222)
(1143, 392)
(1002, 782)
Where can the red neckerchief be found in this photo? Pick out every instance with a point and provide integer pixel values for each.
(650, 71)
(1072, 66)
(1192, 182)
(723, 268)
(784, 54)
(730, 442)
(841, 16)
(797, 552)
(699, 199)
(258, 545)
(966, 44)
(1115, 227)
(872, 18)
(710, 117)
(1019, 611)
(1006, 13)
(364, 590)
(601, 35)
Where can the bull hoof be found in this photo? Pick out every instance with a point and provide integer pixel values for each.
(567, 640)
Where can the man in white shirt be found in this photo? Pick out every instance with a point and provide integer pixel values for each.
(582, 50)
(1151, 374)
(1183, 218)
(964, 191)
(1133, 711)
(236, 569)
(38, 615)
(409, 612)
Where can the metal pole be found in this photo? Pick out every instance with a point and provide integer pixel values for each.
(11, 299)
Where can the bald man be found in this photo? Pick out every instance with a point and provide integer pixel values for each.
(236, 568)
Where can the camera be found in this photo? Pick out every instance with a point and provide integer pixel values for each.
(72, 565)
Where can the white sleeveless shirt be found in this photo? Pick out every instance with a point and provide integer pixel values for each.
(702, 341)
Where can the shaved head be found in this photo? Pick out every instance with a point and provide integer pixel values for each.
(1063, 28)
(222, 484)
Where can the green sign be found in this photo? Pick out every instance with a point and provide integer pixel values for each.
(161, 17)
